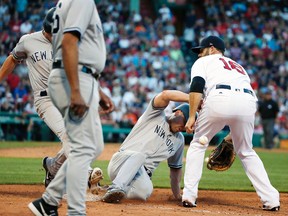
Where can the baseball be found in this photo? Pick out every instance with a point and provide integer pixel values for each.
(203, 140)
(206, 159)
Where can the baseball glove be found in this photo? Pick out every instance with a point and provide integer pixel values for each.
(222, 157)
(94, 180)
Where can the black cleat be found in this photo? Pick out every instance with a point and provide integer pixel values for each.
(40, 208)
(267, 208)
(188, 204)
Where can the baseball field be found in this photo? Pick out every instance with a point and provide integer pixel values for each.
(221, 193)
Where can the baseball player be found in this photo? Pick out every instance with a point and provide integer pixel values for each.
(154, 138)
(228, 100)
(36, 49)
(79, 56)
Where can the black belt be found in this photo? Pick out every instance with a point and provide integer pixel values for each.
(149, 173)
(220, 86)
(43, 93)
(85, 69)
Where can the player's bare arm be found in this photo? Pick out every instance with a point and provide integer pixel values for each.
(195, 97)
(105, 102)
(175, 179)
(70, 59)
(7, 67)
(163, 99)
(194, 101)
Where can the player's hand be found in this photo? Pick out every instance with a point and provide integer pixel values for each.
(78, 108)
(106, 103)
(190, 125)
(107, 106)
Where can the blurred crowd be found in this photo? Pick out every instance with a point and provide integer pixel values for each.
(148, 55)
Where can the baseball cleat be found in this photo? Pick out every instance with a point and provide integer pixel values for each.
(267, 208)
(39, 208)
(188, 204)
(48, 177)
(113, 195)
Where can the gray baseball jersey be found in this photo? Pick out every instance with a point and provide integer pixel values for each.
(86, 138)
(149, 143)
(37, 50)
(92, 49)
(152, 136)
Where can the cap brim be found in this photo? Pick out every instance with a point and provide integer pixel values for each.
(197, 49)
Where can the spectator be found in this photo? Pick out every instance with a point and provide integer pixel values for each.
(13, 81)
(109, 26)
(29, 107)
(7, 103)
(15, 23)
(3, 8)
(252, 21)
(165, 13)
(129, 118)
(136, 17)
(20, 91)
(26, 27)
(3, 55)
(21, 6)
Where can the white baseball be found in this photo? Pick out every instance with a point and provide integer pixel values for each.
(206, 159)
(203, 140)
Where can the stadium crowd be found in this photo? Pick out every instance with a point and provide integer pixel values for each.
(146, 56)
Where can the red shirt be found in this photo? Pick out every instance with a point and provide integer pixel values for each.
(13, 81)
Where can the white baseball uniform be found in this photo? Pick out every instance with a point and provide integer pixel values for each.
(36, 49)
(149, 143)
(85, 136)
(229, 100)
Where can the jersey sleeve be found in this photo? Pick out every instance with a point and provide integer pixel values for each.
(176, 161)
(198, 69)
(19, 53)
(79, 16)
(151, 112)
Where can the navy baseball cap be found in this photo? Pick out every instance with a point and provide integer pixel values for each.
(185, 110)
(215, 41)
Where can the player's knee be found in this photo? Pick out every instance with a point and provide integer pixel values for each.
(245, 154)
(141, 193)
(140, 156)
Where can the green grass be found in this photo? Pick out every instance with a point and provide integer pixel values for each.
(10, 144)
(235, 179)
(29, 171)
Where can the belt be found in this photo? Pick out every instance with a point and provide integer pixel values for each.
(245, 90)
(43, 93)
(149, 173)
(84, 69)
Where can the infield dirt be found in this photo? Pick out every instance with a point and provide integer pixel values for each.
(15, 198)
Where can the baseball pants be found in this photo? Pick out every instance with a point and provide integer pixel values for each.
(237, 110)
(126, 171)
(86, 142)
